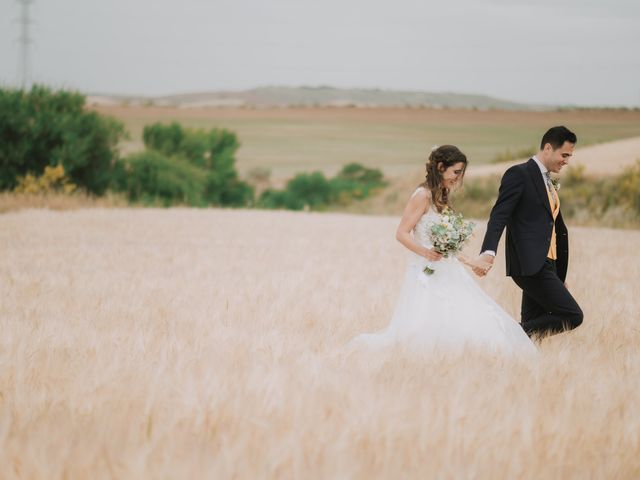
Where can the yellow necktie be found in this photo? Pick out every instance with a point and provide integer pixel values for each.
(554, 203)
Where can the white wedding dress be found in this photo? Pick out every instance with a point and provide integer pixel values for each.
(446, 310)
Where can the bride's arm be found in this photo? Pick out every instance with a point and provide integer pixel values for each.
(465, 259)
(472, 261)
(418, 204)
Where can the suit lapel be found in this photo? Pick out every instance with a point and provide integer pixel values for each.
(541, 188)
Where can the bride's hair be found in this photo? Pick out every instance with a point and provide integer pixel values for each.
(440, 159)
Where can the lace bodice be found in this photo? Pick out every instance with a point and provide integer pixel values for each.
(421, 230)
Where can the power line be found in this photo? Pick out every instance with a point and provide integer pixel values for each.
(25, 40)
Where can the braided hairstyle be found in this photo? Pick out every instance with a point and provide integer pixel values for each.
(440, 159)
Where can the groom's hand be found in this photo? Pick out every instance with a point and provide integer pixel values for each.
(483, 264)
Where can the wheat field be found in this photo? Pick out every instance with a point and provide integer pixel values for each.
(187, 343)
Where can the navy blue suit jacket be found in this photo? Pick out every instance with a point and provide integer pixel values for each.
(523, 208)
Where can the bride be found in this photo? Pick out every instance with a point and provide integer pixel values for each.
(446, 310)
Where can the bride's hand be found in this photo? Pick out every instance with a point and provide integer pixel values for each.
(431, 254)
(481, 265)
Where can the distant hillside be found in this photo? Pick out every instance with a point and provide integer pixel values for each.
(317, 97)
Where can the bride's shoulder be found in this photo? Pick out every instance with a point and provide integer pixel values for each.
(421, 193)
(420, 199)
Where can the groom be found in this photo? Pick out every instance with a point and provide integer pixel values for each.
(537, 246)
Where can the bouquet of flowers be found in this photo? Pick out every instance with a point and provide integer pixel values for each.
(449, 234)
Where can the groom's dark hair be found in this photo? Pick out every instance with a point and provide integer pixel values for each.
(556, 136)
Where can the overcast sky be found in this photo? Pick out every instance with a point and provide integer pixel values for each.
(558, 52)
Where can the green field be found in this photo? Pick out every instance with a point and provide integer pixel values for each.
(396, 140)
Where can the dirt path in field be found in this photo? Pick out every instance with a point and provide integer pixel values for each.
(609, 158)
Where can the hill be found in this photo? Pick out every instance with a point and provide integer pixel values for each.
(322, 96)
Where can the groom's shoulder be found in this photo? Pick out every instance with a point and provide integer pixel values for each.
(517, 169)
(524, 165)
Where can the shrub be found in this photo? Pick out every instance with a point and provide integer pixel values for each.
(355, 181)
(508, 155)
(477, 196)
(150, 177)
(166, 139)
(310, 189)
(628, 187)
(41, 127)
(611, 201)
(200, 147)
(53, 180)
(361, 174)
(212, 153)
(305, 190)
(315, 191)
(280, 199)
(227, 190)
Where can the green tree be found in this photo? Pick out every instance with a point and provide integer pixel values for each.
(166, 139)
(210, 155)
(41, 127)
(361, 174)
(151, 177)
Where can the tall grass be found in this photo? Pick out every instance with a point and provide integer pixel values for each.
(587, 200)
(12, 201)
(209, 344)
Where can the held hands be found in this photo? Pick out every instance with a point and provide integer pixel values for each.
(482, 264)
(432, 254)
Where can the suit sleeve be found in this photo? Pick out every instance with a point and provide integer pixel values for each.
(509, 195)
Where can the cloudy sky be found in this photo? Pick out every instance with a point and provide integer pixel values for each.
(583, 52)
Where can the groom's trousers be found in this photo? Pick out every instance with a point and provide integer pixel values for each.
(547, 305)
